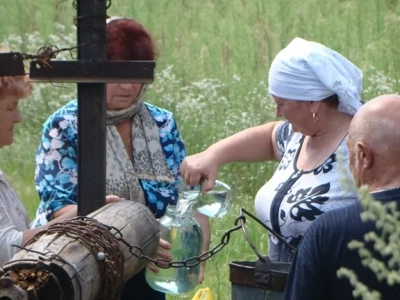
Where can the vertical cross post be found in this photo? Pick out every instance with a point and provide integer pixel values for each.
(91, 109)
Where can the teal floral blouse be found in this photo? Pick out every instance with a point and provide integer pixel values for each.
(56, 163)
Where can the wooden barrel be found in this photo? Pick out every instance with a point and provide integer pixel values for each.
(72, 267)
(257, 280)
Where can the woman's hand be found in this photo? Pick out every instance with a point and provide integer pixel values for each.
(198, 167)
(112, 198)
(162, 253)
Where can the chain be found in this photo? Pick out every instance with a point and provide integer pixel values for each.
(273, 232)
(195, 260)
(189, 262)
(48, 51)
(103, 240)
(98, 239)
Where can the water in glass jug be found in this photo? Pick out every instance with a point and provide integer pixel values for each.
(184, 234)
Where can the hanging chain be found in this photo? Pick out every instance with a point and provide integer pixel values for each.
(240, 223)
(189, 262)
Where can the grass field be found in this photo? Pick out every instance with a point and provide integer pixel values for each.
(212, 73)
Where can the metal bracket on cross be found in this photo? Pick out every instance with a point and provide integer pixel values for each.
(11, 64)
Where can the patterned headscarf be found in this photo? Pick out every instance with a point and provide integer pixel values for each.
(309, 71)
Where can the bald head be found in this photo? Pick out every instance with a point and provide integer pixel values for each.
(374, 140)
(377, 124)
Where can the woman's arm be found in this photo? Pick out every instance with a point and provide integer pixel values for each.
(68, 212)
(179, 154)
(250, 145)
(56, 166)
(29, 233)
(11, 235)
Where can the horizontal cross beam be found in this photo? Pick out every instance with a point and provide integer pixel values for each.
(93, 71)
(84, 71)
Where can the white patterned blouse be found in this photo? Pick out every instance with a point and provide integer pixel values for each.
(292, 199)
(13, 220)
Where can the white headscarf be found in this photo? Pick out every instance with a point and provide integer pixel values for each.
(309, 71)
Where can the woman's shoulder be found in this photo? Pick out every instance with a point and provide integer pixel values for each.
(68, 112)
(158, 111)
(3, 177)
(285, 137)
(160, 115)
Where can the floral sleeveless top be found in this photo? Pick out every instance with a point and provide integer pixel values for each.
(294, 198)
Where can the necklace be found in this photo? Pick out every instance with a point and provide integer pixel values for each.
(323, 152)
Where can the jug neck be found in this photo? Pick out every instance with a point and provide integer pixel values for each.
(173, 212)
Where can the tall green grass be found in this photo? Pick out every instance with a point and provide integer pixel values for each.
(212, 73)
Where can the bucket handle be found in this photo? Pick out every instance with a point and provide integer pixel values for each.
(273, 232)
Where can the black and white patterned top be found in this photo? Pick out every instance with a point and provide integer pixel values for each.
(293, 198)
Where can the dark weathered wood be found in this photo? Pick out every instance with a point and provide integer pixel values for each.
(93, 72)
(82, 272)
(11, 64)
(91, 109)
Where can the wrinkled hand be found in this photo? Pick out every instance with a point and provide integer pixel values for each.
(112, 198)
(198, 167)
(162, 253)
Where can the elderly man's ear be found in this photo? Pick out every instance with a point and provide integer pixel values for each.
(364, 155)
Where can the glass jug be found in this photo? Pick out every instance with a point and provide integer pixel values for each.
(184, 234)
(215, 203)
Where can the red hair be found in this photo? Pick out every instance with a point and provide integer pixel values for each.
(129, 40)
(15, 85)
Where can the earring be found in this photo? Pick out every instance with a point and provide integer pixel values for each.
(315, 117)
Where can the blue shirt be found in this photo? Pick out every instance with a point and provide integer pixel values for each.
(56, 163)
(324, 250)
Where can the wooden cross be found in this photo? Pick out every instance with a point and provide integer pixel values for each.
(91, 71)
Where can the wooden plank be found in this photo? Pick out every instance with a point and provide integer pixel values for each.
(91, 108)
(92, 71)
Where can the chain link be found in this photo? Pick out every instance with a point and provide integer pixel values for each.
(195, 260)
(100, 241)
(189, 262)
